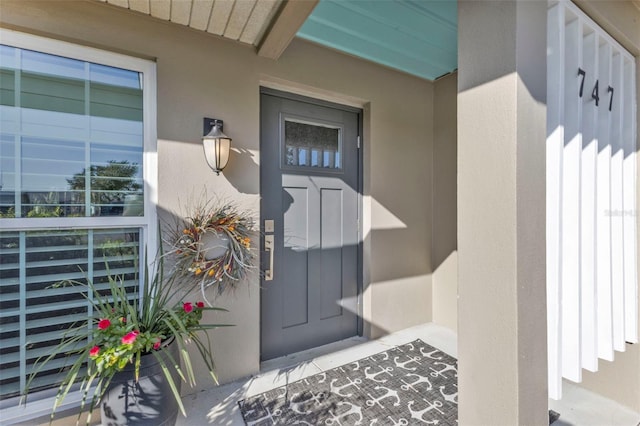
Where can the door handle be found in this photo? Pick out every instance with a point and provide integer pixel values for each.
(269, 245)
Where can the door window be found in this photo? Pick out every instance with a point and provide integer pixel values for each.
(312, 145)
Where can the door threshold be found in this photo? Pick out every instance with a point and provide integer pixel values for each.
(310, 354)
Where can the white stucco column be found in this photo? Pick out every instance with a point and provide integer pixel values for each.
(501, 212)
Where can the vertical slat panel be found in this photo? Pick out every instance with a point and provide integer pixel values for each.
(571, 317)
(555, 144)
(603, 218)
(629, 203)
(591, 195)
(617, 232)
(588, 205)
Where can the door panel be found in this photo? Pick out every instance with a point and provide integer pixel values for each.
(295, 256)
(309, 187)
(331, 240)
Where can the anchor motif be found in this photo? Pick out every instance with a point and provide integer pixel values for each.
(284, 393)
(389, 394)
(324, 377)
(451, 397)
(296, 407)
(411, 385)
(338, 389)
(335, 419)
(373, 376)
(400, 422)
(383, 356)
(430, 406)
(429, 354)
(357, 365)
(402, 364)
(269, 416)
(436, 373)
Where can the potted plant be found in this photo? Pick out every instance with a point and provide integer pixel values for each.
(127, 356)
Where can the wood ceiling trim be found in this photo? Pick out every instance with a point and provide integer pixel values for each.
(141, 6)
(161, 9)
(181, 12)
(219, 17)
(292, 15)
(262, 14)
(200, 14)
(238, 19)
(121, 3)
(270, 24)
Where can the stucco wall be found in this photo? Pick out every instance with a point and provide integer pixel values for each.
(444, 252)
(201, 75)
(501, 209)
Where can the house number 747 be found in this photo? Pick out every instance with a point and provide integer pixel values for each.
(595, 92)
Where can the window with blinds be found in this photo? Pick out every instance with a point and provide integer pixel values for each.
(75, 191)
(36, 304)
(71, 138)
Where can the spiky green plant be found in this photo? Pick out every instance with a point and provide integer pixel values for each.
(122, 329)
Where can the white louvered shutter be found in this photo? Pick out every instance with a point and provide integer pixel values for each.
(591, 196)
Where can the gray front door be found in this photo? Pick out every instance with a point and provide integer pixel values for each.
(309, 216)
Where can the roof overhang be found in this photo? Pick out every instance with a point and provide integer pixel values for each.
(414, 36)
(269, 25)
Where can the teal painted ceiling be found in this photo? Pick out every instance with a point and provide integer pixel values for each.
(419, 37)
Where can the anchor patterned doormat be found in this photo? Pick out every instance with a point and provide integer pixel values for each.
(406, 385)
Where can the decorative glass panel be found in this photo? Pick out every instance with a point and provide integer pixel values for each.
(312, 145)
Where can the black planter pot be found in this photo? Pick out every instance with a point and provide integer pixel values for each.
(149, 402)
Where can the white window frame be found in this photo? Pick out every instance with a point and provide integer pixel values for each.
(40, 403)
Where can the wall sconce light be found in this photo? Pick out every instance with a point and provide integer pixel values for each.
(216, 144)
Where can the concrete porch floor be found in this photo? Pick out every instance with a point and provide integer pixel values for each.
(219, 406)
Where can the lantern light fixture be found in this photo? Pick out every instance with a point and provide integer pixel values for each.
(216, 144)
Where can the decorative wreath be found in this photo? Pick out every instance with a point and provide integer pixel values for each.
(212, 245)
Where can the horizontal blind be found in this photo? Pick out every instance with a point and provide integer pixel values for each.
(36, 309)
(591, 196)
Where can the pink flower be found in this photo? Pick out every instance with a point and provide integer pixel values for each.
(129, 338)
(103, 324)
(200, 305)
(94, 351)
(156, 345)
(188, 307)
